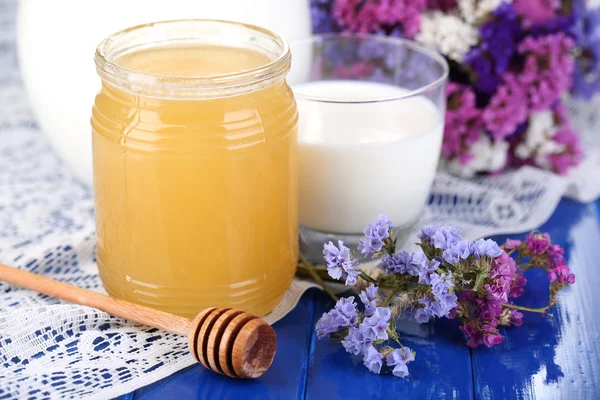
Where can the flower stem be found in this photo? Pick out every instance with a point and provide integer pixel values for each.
(391, 297)
(540, 310)
(367, 277)
(317, 278)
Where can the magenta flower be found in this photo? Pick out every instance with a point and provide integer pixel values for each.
(535, 12)
(507, 109)
(538, 244)
(572, 154)
(561, 274)
(373, 16)
(463, 123)
(547, 70)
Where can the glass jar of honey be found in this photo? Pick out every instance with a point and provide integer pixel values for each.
(195, 177)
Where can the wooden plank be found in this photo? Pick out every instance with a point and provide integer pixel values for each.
(558, 356)
(286, 379)
(442, 369)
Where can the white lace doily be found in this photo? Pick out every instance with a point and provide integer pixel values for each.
(49, 349)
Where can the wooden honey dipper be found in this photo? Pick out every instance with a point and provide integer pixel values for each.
(224, 340)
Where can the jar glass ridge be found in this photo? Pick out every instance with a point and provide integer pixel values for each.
(195, 174)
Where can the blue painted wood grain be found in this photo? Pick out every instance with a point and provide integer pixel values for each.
(555, 356)
(546, 358)
(442, 369)
(286, 379)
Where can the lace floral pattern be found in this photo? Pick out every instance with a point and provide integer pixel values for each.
(52, 349)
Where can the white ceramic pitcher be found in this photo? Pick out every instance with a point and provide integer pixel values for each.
(57, 40)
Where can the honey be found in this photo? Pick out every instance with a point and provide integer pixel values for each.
(195, 174)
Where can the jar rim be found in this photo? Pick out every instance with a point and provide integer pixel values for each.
(158, 34)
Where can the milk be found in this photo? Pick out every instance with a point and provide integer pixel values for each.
(357, 160)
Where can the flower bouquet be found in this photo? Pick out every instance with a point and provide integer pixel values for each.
(472, 282)
(512, 63)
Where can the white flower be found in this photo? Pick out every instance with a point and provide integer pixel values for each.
(474, 11)
(591, 4)
(489, 156)
(538, 141)
(447, 33)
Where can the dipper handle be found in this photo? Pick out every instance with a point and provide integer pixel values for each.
(227, 341)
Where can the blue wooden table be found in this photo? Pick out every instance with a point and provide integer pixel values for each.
(549, 357)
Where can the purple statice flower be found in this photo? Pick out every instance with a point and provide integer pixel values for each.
(462, 123)
(346, 308)
(507, 109)
(436, 307)
(485, 248)
(373, 359)
(399, 358)
(343, 315)
(369, 299)
(328, 323)
(421, 315)
(538, 244)
(375, 235)
(396, 263)
(547, 69)
(372, 49)
(322, 20)
(340, 263)
(533, 12)
(426, 232)
(355, 341)
(377, 324)
(445, 237)
(373, 16)
(426, 272)
(441, 284)
(457, 252)
(490, 60)
(404, 263)
(572, 155)
(586, 76)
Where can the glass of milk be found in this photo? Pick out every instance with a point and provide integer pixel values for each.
(371, 119)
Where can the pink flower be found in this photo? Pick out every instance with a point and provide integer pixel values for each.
(493, 339)
(372, 16)
(536, 11)
(516, 288)
(516, 317)
(556, 255)
(463, 122)
(512, 244)
(572, 154)
(499, 289)
(561, 274)
(507, 109)
(538, 244)
(503, 265)
(547, 70)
